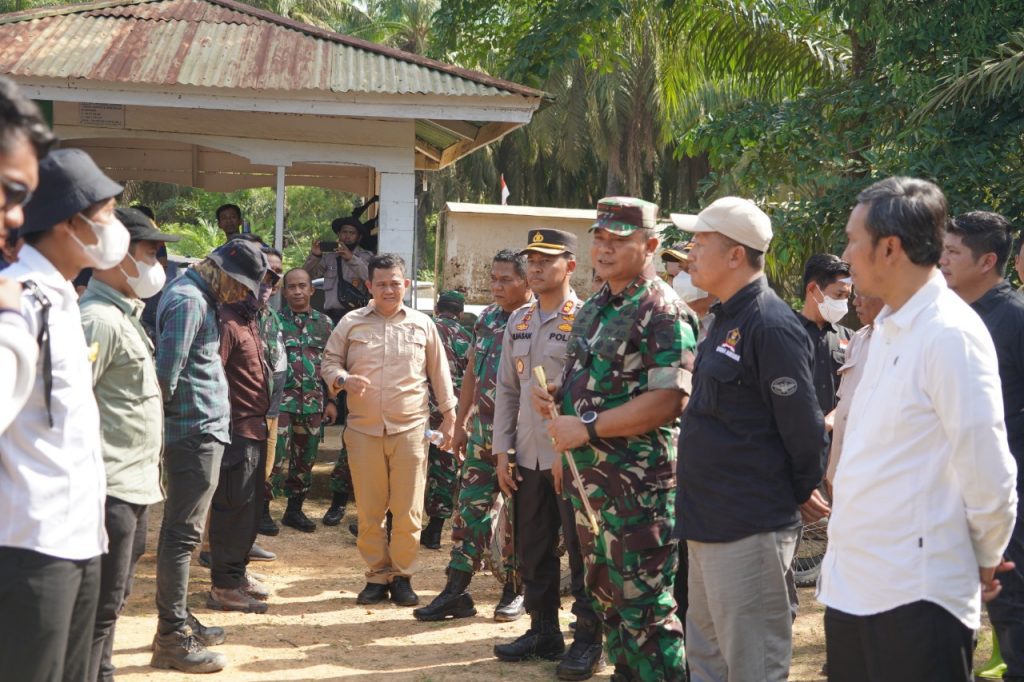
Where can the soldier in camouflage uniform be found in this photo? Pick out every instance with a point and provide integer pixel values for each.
(478, 492)
(303, 409)
(626, 379)
(443, 467)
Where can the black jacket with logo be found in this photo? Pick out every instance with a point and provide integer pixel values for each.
(753, 433)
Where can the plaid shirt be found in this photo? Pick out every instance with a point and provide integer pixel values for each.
(188, 363)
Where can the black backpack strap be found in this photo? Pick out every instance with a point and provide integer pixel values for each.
(43, 339)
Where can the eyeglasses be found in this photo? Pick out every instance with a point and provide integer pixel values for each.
(15, 193)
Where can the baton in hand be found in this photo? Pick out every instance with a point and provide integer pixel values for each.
(541, 378)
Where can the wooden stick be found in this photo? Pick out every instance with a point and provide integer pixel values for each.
(541, 378)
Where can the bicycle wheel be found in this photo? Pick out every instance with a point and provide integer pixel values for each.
(810, 553)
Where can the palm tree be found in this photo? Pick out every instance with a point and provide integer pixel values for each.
(997, 77)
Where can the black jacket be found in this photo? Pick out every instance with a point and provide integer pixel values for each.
(753, 433)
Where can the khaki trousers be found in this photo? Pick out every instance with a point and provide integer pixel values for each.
(388, 472)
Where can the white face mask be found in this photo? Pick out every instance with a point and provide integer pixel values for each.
(150, 281)
(112, 241)
(832, 310)
(683, 284)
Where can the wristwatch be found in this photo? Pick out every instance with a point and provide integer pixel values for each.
(342, 379)
(589, 420)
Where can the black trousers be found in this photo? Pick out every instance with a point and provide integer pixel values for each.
(233, 517)
(48, 606)
(917, 641)
(540, 514)
(126, 532)
(1007, 610)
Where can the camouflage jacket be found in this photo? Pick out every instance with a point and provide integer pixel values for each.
(487, 335)
(273, 340)
(457, 341)
(305, 336)
(621, 346)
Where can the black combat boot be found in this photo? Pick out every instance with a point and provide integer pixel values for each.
(294, 516)
(431, 535)
(267, 525)
(336, 512)
(543, 640)
(586, 656)
(453, 601)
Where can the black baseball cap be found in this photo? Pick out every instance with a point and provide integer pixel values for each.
(551, 242)
(141, 228)
(69, 182)
(243, 261)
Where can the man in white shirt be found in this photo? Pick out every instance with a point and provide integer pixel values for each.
(925, 496)
(52, 478)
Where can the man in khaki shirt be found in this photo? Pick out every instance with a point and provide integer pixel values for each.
(383, 355)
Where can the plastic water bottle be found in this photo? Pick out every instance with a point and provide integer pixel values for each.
(435, 437)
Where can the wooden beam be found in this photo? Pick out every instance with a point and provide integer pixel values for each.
(463, 129)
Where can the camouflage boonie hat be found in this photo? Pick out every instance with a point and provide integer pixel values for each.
(625, 215)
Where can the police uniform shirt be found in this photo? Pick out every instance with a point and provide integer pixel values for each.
(753, 432)
(531, 338)
(830, 343)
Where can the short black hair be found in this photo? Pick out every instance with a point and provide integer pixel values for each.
(385, 261)
(755, 258)
(271, 251)
(912, 209)
(19, 116)
(513, 256)
(824, 269)
(226, 207)
(145, 210)
(984, 232)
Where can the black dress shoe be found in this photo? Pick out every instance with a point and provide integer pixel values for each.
(373, 593)
(402, 593)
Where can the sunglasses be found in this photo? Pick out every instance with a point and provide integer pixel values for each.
(15, 193)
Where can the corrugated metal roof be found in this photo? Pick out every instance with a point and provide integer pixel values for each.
(219, 44)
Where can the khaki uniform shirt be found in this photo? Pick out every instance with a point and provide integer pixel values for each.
(398, 354)
(127, 393)
(530, 341)
(331, 267)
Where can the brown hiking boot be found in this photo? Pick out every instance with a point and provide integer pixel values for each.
(235, 599)
(181, 651)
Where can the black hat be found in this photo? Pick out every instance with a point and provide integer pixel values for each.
(243, 261)
(69, 183)
(339, 223)
(551, 242)
(140, 227)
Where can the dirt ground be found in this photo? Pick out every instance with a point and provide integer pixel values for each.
(314, 629)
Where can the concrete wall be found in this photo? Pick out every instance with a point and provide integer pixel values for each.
(468, 242)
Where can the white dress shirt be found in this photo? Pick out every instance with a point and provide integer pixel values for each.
(925, 488)
(18, 355)
(52, 480)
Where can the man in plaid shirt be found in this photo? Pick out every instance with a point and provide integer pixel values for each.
(197, 420)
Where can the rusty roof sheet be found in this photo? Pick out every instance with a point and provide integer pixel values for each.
(219, 44)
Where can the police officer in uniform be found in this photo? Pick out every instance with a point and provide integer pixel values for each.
(537, 335)
(625, 383)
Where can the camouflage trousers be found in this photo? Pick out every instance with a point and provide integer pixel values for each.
(298, 440)
(442, 483)
(629, 571)
(478, 492)
(341, 475)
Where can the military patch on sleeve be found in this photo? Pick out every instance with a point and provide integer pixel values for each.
(784, 387)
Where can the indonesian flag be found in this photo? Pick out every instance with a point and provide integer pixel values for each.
(504, 191)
